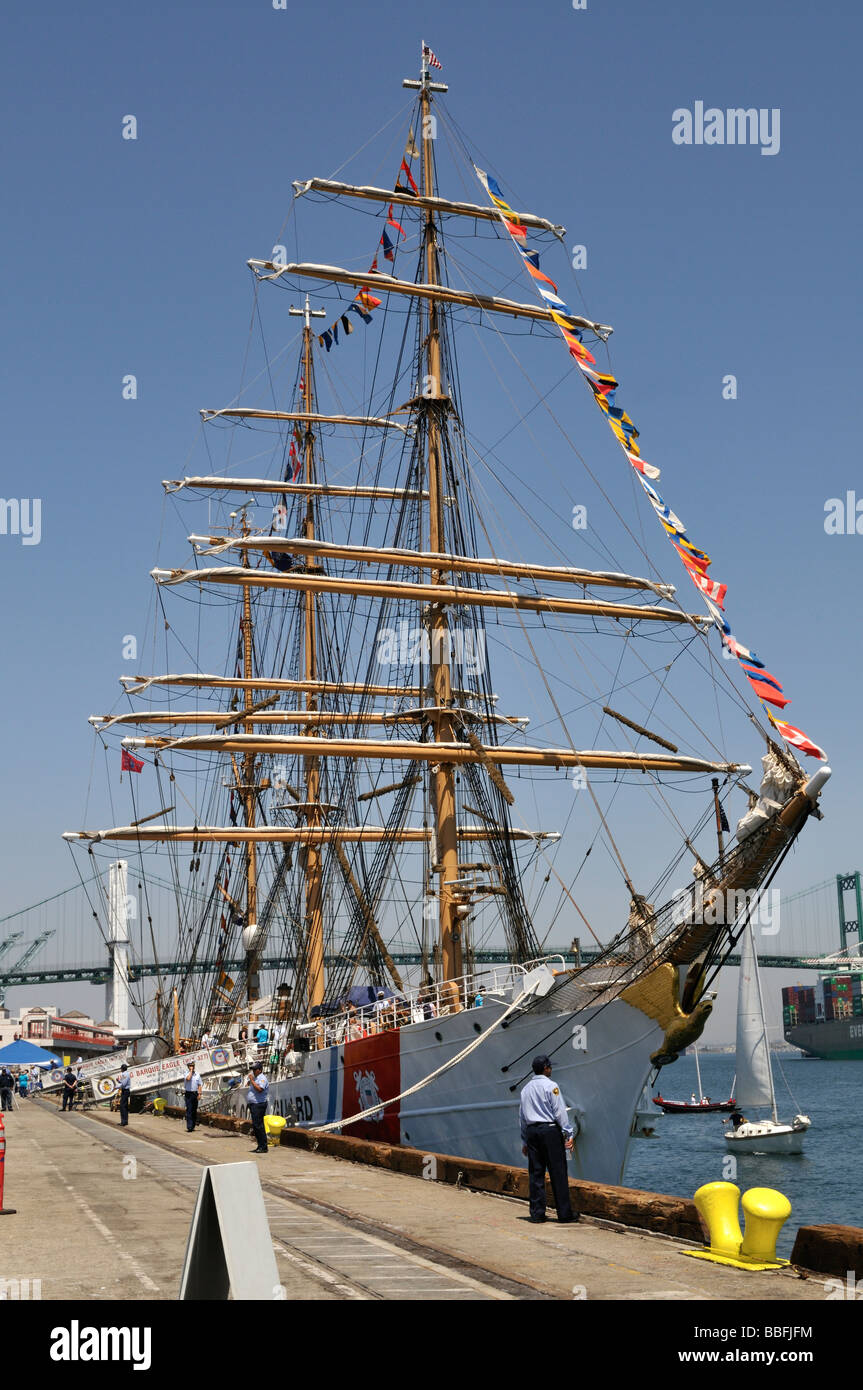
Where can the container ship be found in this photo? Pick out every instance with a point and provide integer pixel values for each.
(826, 1019)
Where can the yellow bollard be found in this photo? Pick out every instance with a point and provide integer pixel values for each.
(766, 1212)
(159, 1105)
(716, 1203)
(274, 1124)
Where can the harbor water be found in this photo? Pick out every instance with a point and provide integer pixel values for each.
(822, 1183)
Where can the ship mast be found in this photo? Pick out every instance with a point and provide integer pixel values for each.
(249, 794)
(434, 404)
(313, 856)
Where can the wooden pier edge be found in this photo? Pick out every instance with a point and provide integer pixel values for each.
(649, 1211)
(825, 1249)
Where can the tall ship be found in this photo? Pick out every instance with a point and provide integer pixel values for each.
(417, 708)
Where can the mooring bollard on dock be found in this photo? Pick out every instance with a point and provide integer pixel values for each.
(274, 1124)
(766, 1212)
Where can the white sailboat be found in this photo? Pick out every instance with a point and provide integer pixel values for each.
(755, 1087)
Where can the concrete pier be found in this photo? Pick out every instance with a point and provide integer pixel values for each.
(104, 1212)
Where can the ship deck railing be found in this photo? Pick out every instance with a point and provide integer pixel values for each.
(410, 1006)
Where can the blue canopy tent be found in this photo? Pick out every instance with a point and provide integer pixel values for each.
(26, 1054)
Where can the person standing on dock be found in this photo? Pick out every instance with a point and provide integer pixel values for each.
(7, 1086)
(192, 1088)
(546, 1132)
(124, 1082)
(256, 1099)
(70, 1086)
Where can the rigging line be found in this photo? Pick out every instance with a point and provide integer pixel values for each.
(410, 104)
(42, 901)
(267, 363)
(625, 687)
(144, 884)
(656, 788)
(89, 786)
(95, 915)
(542, 851)
(448, 121)
(566, 733)
(702, 635)
(543, 400)
(108, 779)
(245, 363)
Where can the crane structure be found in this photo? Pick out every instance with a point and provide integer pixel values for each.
(23, 960)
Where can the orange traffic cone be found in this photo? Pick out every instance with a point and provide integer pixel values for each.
(4, 1211)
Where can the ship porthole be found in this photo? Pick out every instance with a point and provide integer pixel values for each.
(439, 1037)
(477, 1027)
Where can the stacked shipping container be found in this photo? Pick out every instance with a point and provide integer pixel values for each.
(832, 997)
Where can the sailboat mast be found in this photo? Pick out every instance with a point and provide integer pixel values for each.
(313, 868)
(434, 403)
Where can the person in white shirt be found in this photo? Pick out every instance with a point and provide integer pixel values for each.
(547, 1137)
(192, 1094)
(124, 1082)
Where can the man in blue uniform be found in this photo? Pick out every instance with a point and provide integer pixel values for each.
(124, 1082)
(192, 1089)
(256, 1099)
(545, 1133)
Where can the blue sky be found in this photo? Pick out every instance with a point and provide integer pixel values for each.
(129, 257)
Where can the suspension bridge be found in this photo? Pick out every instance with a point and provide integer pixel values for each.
(64, 937)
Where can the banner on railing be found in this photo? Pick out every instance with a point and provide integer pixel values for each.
(168, 1071)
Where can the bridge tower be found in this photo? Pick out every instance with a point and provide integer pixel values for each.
(117, 988)
(849, 883)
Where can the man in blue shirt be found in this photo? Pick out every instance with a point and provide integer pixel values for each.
(192, 1089)
(256, 1099)
(545, 1133)
(124, 1082)
(70, 1086)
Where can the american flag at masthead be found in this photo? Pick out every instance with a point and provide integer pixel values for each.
(430, 57)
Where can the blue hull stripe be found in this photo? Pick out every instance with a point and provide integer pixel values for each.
(334, 1090)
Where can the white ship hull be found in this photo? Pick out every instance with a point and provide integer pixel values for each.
(472, 1111)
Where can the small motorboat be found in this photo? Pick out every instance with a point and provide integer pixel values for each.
(702, 1106)
(696, 1107)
